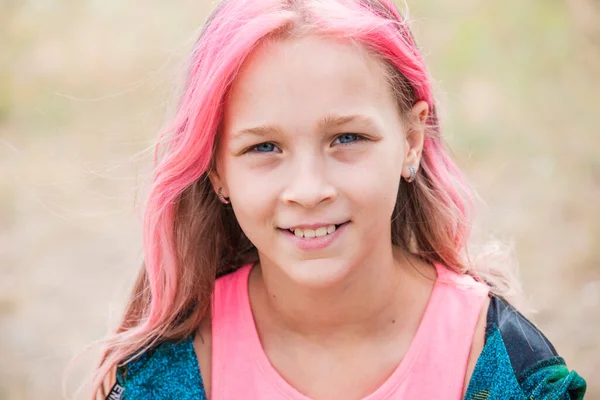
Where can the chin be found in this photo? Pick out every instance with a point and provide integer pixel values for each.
(317, 273)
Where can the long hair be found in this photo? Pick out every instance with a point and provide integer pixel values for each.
(190, 238)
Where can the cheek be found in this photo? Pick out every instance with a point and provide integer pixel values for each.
(253, 199)
(374, 197)
(373, 183)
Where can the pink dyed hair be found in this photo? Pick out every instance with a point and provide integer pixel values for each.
(190, 239)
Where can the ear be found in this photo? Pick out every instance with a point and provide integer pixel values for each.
(217, 182)
(415, 137)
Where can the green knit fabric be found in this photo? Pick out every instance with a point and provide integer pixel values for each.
(494, 377)
(171, 371)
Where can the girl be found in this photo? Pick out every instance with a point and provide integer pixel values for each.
(306, 231)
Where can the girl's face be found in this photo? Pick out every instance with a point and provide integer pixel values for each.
(311, 155)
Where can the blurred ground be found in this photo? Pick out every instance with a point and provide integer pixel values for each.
(84, 86)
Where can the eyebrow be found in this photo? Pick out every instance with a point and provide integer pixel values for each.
(328, 121)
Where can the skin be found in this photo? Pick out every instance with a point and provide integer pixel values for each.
(351, 310)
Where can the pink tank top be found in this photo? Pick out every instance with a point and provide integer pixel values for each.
(434, 366)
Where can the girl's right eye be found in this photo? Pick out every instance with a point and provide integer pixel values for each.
(266, 147)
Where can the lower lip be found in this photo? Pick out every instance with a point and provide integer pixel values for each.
(316, 243)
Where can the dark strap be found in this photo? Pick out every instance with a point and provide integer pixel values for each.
(116, 393)
(524, 342)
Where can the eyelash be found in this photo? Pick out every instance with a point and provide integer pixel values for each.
(359, 138)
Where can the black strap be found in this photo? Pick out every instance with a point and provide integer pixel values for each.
(524, 342)
(116, 393)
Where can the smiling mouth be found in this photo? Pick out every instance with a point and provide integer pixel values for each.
(315, 233)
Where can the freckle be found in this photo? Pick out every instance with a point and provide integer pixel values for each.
(393, 321)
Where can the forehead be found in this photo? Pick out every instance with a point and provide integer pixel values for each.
(294, 82)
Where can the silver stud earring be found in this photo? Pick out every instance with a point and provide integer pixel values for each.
(413, 174)
(222, 198)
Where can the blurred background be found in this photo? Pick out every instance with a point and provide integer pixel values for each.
(84, 89)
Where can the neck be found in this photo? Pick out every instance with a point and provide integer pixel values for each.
(377, 295)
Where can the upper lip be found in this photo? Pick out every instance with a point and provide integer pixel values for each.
(314, 226)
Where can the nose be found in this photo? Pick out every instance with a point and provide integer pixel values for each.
(308, 184)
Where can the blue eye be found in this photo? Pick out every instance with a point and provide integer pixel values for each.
(347, 138)
(266, 147)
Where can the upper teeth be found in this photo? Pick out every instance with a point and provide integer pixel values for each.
(311, 233)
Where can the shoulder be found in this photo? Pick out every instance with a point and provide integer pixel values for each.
(518, 361)
(525, 344)
(167, 370)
